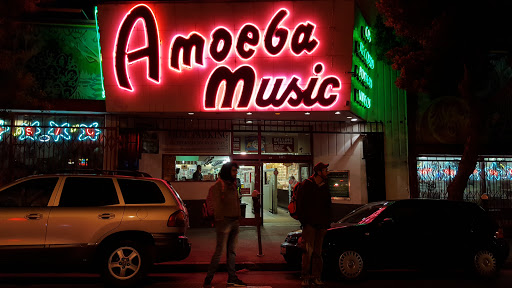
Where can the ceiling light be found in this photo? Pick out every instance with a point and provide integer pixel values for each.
(353, 120)
(349, 117)
(249, 122)
(249, 113)
(307, 113)
(190, 113)
(337, 113)
(277, 113)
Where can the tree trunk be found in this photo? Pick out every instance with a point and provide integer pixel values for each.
(472, 146)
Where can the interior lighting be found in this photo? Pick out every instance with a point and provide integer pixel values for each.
(353, 120)
(307, 113)
(190, 113)
(337, 113)
(249, 113)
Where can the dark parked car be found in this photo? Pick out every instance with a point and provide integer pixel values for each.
(409, 234)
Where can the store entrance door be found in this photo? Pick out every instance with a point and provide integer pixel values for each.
(247, 181)
(270, 190)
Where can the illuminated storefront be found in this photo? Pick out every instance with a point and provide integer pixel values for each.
(276, 88)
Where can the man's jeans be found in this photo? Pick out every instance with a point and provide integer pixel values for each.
(312, 256)
(227, 236)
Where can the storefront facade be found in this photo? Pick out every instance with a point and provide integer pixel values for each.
(277, 88)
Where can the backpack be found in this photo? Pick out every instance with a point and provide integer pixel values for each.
(292, 207)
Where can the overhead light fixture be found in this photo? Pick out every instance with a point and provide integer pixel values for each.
(249, 122)
(353, 120)
(249, 113)
(307, 113)
(190, 113)
(277, 113)
(337, 113)
(349, 117)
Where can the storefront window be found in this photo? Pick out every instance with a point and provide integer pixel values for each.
(186, 166)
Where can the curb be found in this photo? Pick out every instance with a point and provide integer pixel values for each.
(250, 266)
(203, 267)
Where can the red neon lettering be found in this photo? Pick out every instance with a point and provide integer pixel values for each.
(57, 131)
(183, 46)
(29, 131)
(222, 40)
(293, 95)
(274, 32)
(150, 52)
(90, 132)
(249, 36)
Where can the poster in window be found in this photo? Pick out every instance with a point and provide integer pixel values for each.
(339, 184)
(251, 144)
(283, 144)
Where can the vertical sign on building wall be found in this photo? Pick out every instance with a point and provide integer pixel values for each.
(363, 65)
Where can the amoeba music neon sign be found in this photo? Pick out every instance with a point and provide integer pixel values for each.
(189, 52)
(55, 132)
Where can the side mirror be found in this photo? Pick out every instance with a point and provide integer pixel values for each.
(386, 222)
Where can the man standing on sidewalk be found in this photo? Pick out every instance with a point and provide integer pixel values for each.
(315, 217)
(227, 215)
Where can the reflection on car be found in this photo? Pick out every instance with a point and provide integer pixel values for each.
(409, 234)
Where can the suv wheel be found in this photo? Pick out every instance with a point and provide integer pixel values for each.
(350, 265)
(485, 263)
(125, 264)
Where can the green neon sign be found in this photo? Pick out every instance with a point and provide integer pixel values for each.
(366, 34)
(365, 55)
(362, 99)
(363, 77)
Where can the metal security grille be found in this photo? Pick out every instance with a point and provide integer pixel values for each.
(45, 143)
(492, 176)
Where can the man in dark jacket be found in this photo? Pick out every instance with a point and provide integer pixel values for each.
(315, 217)
(227, 222)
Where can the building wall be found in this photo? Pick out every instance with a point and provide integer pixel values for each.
(344, 152)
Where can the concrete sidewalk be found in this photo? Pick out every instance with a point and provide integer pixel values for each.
(203, 246)
(272, 235)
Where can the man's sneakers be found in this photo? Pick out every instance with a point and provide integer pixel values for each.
(235, 282)
(317, 282)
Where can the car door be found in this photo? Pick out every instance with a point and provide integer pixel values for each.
(86, 209)
(24, 214)
(397, 235)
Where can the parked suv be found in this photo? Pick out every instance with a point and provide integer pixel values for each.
(434, 235)
(117, 225)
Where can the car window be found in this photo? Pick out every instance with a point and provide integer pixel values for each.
(30, 193)
(87, 192)
(140, 191)
(361, 215)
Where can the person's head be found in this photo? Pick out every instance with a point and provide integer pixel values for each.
(320, 170)
(199, 168)
(292, 177)
(228, 171)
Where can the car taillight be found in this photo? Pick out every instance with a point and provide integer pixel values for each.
(499, 233)
(177, 219)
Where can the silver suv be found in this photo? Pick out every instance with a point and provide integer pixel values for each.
(117, 225)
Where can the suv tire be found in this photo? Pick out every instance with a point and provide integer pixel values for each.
(125, 263)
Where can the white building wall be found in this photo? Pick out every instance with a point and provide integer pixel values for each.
(344, 152)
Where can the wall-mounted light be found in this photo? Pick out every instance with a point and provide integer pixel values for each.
(337, 112)
(353, 120)
(190, 113)
(307, 113)
(249, 113)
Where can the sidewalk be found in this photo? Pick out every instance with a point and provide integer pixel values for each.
(203, 246)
